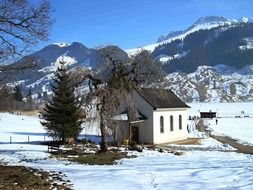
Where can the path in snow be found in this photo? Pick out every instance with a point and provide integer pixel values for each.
(234, 119)
(150, 170)
(241, 148)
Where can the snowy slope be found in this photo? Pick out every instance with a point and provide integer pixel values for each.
(218, 83)
(212, 84)
(248, 44)
(46, 61)
(235, 119)
(150, 170)
(204, 23)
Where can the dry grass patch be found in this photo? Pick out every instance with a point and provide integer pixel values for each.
(105, 158)
(19, 177)
(101, 158)
(29, 113)
(189, 141)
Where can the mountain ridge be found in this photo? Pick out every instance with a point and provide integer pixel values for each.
(212, 60)
(219, 20)
(200, 24)
(208, 84)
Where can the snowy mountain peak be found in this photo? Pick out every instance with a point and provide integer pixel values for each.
(62, 44)
(203, 23)
(206, 22)
(170, 35)
(66, 45)
(212, 20)
(245, 19)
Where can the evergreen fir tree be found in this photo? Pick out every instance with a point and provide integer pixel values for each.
(6, 98)
(45, 96)
(39, 95)
(18, 94)
(29, 99)
(62, 114)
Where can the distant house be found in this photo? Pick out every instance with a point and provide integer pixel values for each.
(160, 117)
(209, 114)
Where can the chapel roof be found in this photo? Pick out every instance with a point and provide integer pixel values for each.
(161, 98)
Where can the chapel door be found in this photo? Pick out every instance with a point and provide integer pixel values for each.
(135, 134)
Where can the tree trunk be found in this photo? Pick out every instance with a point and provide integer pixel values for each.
(103, 145)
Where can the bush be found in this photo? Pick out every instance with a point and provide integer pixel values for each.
(133, 144)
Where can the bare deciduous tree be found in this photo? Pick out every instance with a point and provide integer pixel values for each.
(113, 84)
(22, 24)
(8, 69)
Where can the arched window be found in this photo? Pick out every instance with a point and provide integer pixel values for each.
(180, 122)
(161, 124)
(171, 123)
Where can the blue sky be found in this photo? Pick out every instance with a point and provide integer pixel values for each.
(134, 23)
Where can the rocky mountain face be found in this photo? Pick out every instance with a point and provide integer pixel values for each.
(47, 59)
(211, 64)
(212, 84)
(212, 60)
(229, 45)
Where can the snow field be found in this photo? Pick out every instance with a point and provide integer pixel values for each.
(20, 129)
(235, 119)
(150, 170)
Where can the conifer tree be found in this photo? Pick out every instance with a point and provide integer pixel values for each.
(45, 96)
(17, 94)
(39, 95)
(62, 114)
(6, 97)
(29, 99)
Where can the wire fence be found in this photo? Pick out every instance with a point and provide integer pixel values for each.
(28, 139)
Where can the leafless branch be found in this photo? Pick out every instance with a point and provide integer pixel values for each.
(22, 24)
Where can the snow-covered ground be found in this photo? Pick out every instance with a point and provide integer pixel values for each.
(20, 129)
(235, 119)
(209, 168)
(207, 144)
(151, 170)
(223, 109)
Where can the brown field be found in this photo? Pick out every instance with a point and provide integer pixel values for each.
(19, 177)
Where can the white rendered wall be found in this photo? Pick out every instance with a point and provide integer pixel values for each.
(167, 135)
